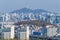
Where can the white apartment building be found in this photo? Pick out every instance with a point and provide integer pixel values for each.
(8, 33)
(23, 33)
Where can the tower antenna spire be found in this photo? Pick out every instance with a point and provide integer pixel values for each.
(27, 6)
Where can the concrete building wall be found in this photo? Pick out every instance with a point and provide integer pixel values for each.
(51, 32)
(22, 35)
(12, 32)
(27, 32)
(7, 35)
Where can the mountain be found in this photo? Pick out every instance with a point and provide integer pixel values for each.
(37, 14)
(26, 10)
(25, 14)
(31, 14)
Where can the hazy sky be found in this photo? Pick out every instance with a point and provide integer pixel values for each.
(10, 5)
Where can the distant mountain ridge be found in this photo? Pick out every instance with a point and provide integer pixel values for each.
(26, 10)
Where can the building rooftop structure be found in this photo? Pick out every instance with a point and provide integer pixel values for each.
(6, 30)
